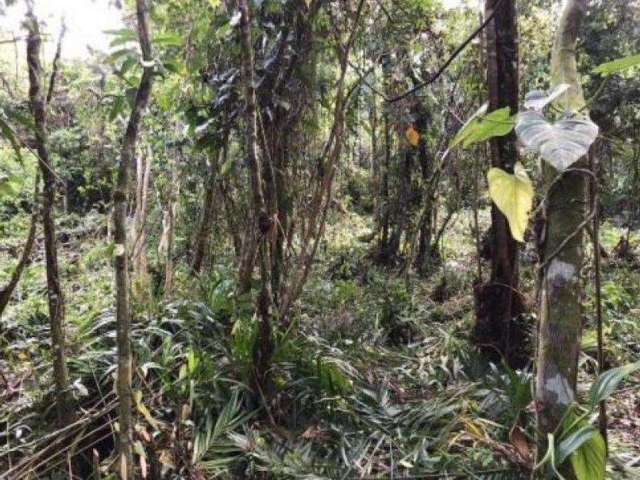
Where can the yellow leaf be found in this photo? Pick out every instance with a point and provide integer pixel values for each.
(513, 195)
(413, 137)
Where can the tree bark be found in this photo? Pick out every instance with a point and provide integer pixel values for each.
(263, 224)
(121, 263)
(498, 303)
(64, 399)
(139, 226)
(560, 308)
(201, 247)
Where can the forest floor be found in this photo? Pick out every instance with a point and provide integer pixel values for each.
(376, 377)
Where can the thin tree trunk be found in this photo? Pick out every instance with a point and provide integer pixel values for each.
(7, 290)
(64, 400)
(498, 303)
(123, 314)
(168, 229)
(263, 224)
(203, 236)
(560, 308)
(139, 226)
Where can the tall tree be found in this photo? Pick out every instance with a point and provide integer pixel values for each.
(560, 309)
(498, 301)
(121, 262)
(263, 224)
(38, 104)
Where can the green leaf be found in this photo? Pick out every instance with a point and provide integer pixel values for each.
(573, 442)
(589, 460)
(9, 186)
(513, 195)
(7, 132)
(618, 65)
(116, 108)
(174, 66)
(168, 39)
(607, 383)
(115, 56)
(483, 127)
(464, 131)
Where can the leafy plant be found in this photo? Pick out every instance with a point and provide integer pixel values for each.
(513, 195)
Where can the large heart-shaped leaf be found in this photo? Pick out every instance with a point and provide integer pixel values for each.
(513, 195)
(560, 144)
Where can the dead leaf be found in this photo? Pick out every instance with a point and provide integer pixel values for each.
(413, 137)
(519, 441)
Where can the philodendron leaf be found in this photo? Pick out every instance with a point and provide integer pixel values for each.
(607, 383)
(464, 131)
(483, 127)
(537, 99)
(618, 65)
(560, 144)
(513, 195)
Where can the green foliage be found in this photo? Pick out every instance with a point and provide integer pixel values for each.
(513, 195)
(607, 383)
(481, 127)
(618, 65)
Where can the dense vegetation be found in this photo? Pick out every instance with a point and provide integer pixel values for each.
(289, 239)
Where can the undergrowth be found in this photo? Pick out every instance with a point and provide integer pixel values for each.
(375, 378)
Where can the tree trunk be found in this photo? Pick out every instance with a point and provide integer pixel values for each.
(201, 247)
(165, 249)
(64, 400)
(139, 226)
(560, 308)
(498, 303)
(263, 224)
(123, 314)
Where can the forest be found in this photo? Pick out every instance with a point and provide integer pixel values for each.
(320, 239)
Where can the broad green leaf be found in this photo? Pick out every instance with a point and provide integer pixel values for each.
(495, 124)
(464, 131)
(168, 39)
(607, 383)
(573, 442)
(618, 65)
(513, 195)
(589, 460)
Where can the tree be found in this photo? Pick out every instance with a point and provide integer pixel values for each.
(562, 254)
(55, 295)
(499, 302)
(121, 262)
(262, 222)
